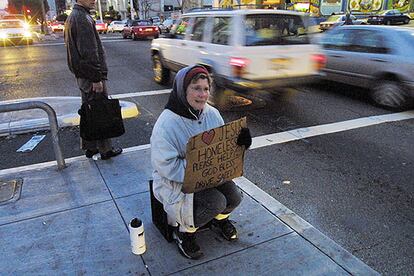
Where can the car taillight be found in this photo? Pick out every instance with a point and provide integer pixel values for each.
(319, 61)
(238, 66)
(155, 28)
(140, 29)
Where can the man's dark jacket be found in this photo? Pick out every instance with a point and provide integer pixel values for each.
(86, 57)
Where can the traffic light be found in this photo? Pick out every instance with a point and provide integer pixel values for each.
(168, 8)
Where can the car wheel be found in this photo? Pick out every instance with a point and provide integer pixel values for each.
(133, 36)
(406, 21)
(124, 36)
(388, 22)
(390, 94)
(161, 73)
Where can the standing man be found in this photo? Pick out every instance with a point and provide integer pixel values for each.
(86, 60)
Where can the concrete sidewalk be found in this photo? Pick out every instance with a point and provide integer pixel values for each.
(75, 222)
(66, 109)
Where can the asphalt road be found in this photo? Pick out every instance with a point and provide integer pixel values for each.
(356, 186)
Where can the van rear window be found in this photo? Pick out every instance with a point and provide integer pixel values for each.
(275, 29)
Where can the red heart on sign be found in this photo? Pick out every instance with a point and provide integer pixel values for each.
(208, 136)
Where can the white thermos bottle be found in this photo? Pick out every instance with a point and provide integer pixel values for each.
(136, 234)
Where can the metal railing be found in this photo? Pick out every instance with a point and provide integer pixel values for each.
(54, 128)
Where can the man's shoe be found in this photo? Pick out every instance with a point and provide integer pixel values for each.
(111, 153)
(225, 228)
(187, 245)
(90, 153)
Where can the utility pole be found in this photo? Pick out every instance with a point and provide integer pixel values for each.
(132, 9)
(100, 10)
(42, 3)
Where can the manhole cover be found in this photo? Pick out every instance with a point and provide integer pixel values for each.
(10, 190)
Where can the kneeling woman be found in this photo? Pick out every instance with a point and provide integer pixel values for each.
(187, 114)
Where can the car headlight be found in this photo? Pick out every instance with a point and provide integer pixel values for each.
(27, 34)
(3, 35)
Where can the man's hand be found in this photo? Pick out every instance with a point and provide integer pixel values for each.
(97, 87)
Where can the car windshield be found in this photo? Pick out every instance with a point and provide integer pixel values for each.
(383, 12)
(274, 29)
(141, 23)
(333, 18)
(11, 24)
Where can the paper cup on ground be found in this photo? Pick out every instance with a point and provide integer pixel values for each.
(136, 234)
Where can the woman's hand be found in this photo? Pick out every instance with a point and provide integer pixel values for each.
(244, 139)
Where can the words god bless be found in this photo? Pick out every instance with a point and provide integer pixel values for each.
(214, 157)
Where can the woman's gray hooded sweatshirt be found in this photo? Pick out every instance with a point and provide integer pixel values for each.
(168, 146)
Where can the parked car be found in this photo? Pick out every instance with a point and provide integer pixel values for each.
(377, 58)
(389, 17)
(101, 26)
(166, 26)
(116, 26)
(57, 26)
(138, 29)
(337, 20)
(14, 31)
(243, 49)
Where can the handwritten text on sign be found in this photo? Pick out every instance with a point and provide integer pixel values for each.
(214, 157)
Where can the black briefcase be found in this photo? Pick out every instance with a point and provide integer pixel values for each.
(101, 118)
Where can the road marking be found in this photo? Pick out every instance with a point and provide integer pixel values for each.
(140, 94)
(264, 140)
(301, 133)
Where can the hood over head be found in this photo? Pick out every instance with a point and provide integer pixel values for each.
(177, 102)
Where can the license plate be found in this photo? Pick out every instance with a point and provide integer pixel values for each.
(280, 63)
(374, 18)
(148, 30)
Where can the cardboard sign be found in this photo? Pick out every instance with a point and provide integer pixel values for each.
(214, 157)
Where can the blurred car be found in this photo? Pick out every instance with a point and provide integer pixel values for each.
(166, 26)
(245, 50)
(337, 20)
(389, 17)
(57, 26)
(378, 58)
(101, 26)
(14, 31)
(138, 29)
(116, 26)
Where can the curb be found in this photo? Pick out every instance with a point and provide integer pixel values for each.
(330, 248)
(128, 110)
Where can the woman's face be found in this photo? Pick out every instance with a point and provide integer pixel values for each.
(197, 94)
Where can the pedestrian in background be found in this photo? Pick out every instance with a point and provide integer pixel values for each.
(185, 115)
(86, 60)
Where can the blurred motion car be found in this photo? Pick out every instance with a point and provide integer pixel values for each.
(389, 17)
(116, 26)
(57, 26)
(337, 20)
(15, 31)
(138, 29)
(377, 58)
(101, 26)
(244, 50)
(166, 26)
